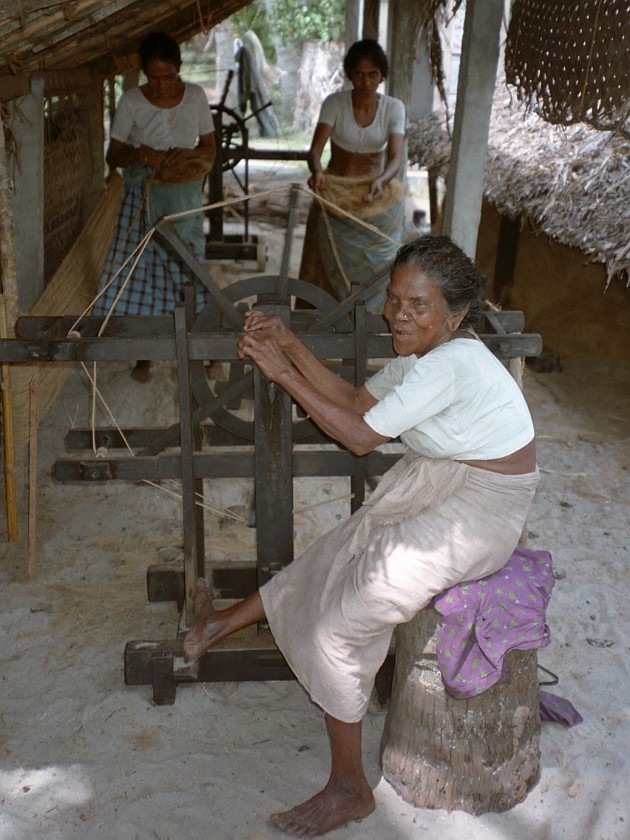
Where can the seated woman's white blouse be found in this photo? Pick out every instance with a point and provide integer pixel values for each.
(457, 401)
(138, 122)
(337, 111)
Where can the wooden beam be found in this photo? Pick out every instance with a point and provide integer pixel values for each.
(371, 14)
(38, 38)
(475, 89)
(505, 263)
(405, 26)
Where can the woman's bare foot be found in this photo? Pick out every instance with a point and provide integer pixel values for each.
(210, 626)
(203, 629)
(142, 371)
(328, 809)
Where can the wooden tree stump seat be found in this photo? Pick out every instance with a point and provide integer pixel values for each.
(476, 754)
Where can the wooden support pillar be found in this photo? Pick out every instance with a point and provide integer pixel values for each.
(27, 125)
(371, 16)
(273, 471)
(357, 482)
(505, 263)
(8, 315)
(422, 91)
(405, 26)
(475, 89)
(192, 486)
(354, 22)
(91, 105)
(434, 209)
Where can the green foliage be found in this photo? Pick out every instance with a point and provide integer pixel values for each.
(291, 21)
(295, 21)
(254, 17)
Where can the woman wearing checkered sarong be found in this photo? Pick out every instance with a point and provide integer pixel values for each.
(162, 137)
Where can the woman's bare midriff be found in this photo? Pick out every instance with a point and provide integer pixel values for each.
(518, 463)
(355, 163)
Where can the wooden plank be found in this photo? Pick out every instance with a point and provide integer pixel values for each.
(273, 478)
(475, 87)
(303, 322)
(153, 440)
(223, 347)
(513, 346)
(56, 327)
(35, 38)
(505, 262)
(230, 581)
(190, 484)
(165, 582)
(231, 660)
(511, 320)
(215, 464)
(234, 659)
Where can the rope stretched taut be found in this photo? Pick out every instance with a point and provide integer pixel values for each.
(339, 210)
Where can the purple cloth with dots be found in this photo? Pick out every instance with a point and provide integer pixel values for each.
(482, 620)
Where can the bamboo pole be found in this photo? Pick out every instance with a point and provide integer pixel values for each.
(8, 309)
(9, 445)
(32, 478)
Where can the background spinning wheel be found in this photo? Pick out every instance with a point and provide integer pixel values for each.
(230, 127)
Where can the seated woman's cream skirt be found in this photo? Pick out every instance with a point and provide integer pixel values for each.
(429, 525)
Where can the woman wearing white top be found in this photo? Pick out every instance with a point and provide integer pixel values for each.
(450, 510)
(366, 132)
(162, 137)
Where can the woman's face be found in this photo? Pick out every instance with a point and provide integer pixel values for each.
(366, 76)
(417, 313)
(162, 78)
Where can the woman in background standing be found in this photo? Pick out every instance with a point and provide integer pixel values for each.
(366, 133)
(162, 137)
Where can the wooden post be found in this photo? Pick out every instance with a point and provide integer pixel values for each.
(371, 19)
(405, 26)
(91, 103)
(8, 440)
(473, 755)
(8, 314)
(32, 479)
(505, 263)
(475, 89)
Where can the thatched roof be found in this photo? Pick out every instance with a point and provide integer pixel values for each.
(573, 182)
(74, 43)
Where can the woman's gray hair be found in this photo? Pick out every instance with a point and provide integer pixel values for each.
(462, 284)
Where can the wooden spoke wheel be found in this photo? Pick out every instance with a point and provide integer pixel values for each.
(233, 135)
(221, 402)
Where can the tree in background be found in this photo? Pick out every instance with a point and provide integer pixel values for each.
(304, 41)
(302, 50)
(295, 22)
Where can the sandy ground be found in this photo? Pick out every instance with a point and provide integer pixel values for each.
(85, 757)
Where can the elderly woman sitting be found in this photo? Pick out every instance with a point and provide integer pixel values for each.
(450, 510)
